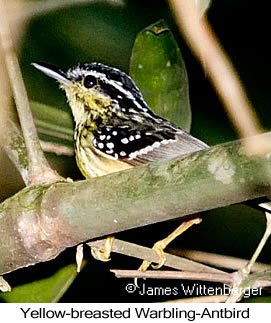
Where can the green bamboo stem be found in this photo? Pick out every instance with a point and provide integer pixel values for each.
(41, 221)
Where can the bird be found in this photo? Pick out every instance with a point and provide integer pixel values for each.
(115, 129)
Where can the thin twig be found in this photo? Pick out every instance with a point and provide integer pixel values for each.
(14, 146)
(58, 149)
(53, 133)
(164, 274)
(39, 169)
(144, 253)
(261, 243)
(221, 261)
(205, 45)
(5, 102)
(260, 279)
(242, 276)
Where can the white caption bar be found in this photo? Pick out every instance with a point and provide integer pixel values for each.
(135, 312)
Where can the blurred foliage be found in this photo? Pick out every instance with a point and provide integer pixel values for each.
(53, 124)
(106, 33)
(46, 290)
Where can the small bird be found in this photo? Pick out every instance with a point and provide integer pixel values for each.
(115, 129)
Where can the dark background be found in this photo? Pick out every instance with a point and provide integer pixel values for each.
(105, 33)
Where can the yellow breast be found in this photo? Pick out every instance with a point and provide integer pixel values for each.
(93, 163)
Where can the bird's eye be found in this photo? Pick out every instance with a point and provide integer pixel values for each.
(89, 81)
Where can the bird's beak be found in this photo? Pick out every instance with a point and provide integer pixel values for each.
(54, 72)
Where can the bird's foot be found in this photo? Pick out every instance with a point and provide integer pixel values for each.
(160, 245)
(103, 255)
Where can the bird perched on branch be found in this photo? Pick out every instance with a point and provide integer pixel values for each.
(115, 129)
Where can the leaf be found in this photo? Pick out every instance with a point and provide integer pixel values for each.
(158, 68)
(47, 290)
(52, 123)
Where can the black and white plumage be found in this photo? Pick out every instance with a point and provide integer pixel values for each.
(146, 144)
(115, 128)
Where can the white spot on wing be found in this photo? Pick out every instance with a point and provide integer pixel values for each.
(124, 141)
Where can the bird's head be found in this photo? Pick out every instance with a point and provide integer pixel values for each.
(97, 90)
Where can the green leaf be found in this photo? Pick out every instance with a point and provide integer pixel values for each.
(47, 290)
(53, 124)
(158, 68)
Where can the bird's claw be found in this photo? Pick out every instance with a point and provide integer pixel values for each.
(103, 255)
(99, 255)
(158, 248)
